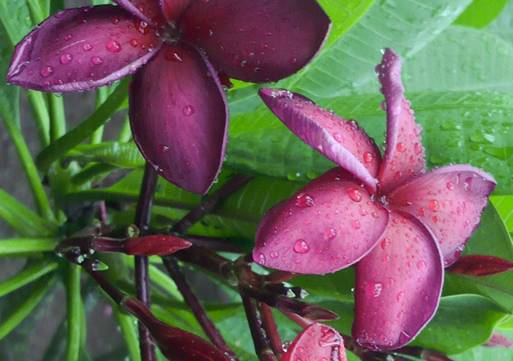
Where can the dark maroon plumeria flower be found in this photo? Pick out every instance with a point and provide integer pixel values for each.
(401, 224)
(178, 108)
(317, 342)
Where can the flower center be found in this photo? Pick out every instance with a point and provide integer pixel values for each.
(170, 33)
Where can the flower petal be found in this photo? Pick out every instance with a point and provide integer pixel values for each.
(80, 49)
(330, 224)
(449, 202)
(476, 265)
(179, 117)
(317, 342)
(404, 155)
(339, 140)
(145, 10)
(398, 286)
(257, 40)
(173, 9)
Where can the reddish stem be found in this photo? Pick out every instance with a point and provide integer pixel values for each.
(271, 329)
(142, 220)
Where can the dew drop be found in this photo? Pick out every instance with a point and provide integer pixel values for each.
(163, 148)
(385, 243)
(261, 259)
(46, 71)
(450, 186)
(87, 47)
(378, 287)
(354, 194)
(417, 148)
(330, 233)
(304, 200)
(401, 148)
(188, 110)
(368, 157)
(113, 46)
(301, 246)
(66, 58)
(356, 224)
(434, 205)
(134, 43)
(96, 60)
(274, 254)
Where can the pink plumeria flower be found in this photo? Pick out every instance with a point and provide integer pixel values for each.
(178, 108)
(399, 224)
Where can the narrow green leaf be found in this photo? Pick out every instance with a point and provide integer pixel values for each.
(57, 116)
(74, 312)
(22, 219)
(481, 13)
(25, 309)
(28, 275)
(15, 18)
(504, 206)
(128, 328)
(92, 173)
(77, 135)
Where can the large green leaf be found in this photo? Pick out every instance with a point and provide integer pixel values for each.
(15, 19)
(503, 24)
(481, 13)
(459, 127)
(491, 238)
(482, 353)
(504, 205)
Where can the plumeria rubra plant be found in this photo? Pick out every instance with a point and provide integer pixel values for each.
(181, 220)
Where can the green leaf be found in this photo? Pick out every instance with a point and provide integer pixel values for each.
(483, 353)
(504, 206)
(29, 274)
(129, 331)
(461, 322)
(15, 18)
(74, 312)
(22, 219)
(23, 246)
(83, 131)
(459, 127)
(481, 13)
(25, 308)
(491, 238)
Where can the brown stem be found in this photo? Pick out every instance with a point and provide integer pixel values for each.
(270, 328)
(262, 346)
(209, 203)
(196, 307)
(142, 220)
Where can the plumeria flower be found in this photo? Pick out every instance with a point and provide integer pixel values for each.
(399, 224)
(178, 109)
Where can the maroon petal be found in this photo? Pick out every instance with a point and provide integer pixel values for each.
(145, 10)
(179, 117)
(475, 265)
(398, 286)
(174, 343)
(257, 40)
(317, 342)
(330, 224)
(173, 9)
(449, 201)
(80, 49)
(340, 140)
(155, 245)
(404, 156)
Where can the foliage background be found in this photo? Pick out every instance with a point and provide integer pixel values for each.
(459, 76)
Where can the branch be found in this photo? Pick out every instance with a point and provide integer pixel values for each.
(270, 328)
(142, 220)
(194, 304)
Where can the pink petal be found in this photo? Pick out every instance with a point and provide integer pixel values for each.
(330, 224)
(499, 340)
(339, 140)
(398, 286)
(155, 245)
(179, 117)
(173, 9)
(475, 265)
(80, 49)
(146, 10)
(449, 201)
(404, 156)
(257, 40)
(317, 342)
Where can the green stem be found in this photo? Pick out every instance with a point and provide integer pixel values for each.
(15, 246)
(74, 312)
(101, 95)
(36, 12)
(91, 173)
(77, 135)
(57, 117)
(30, 169)
(41, 117)
(28, 275)
(129, 331)
(26, 308)
(125, 134)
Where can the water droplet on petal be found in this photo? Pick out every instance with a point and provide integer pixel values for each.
(330, 233)
(401, 148)
(354, 194)
(304, 200)
(368, 157)
(87, 47)
(113, 46)
(301, 246)
(356, 224)
(46, 71)
(188, 110)
(385, 243)
(450, 186)
(96, 60)
(434, 205)
(66, 58)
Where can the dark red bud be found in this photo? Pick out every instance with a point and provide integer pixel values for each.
(155, 245)
(481, 265)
